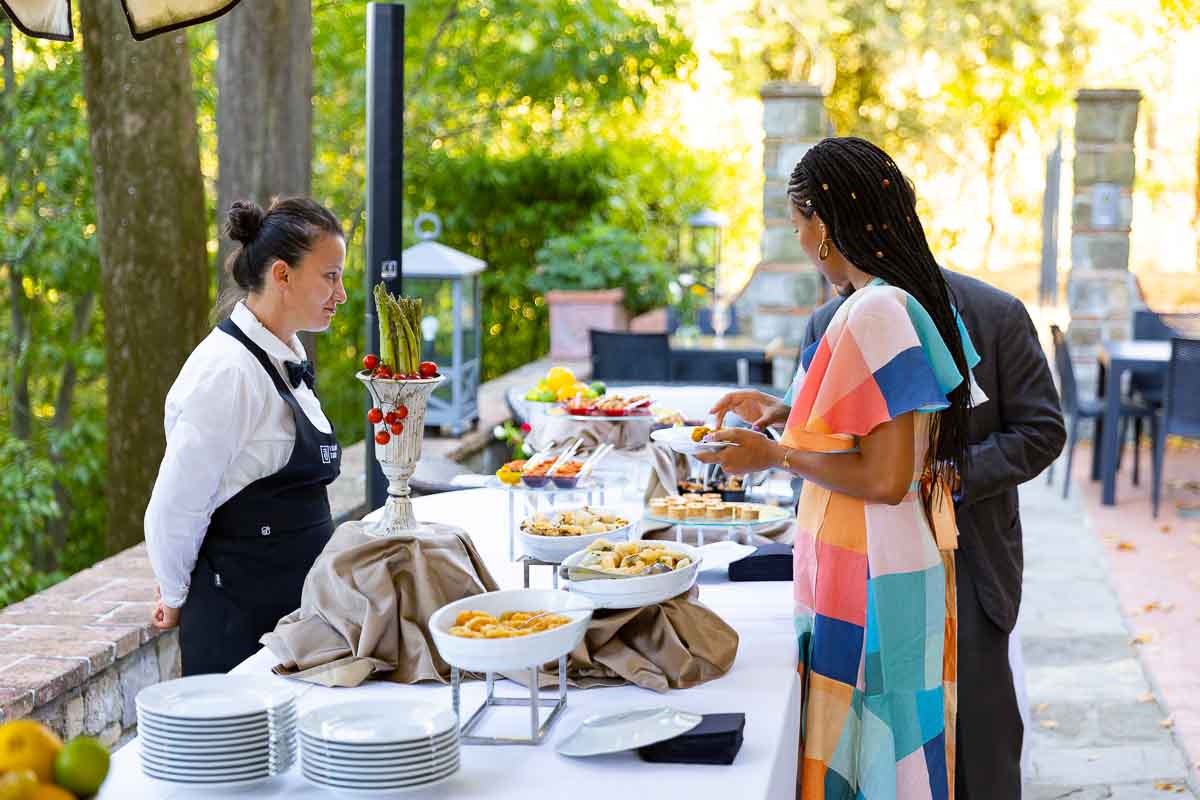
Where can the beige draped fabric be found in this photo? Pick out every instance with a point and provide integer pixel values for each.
(51, 19)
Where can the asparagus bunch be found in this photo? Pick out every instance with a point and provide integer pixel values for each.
(399, 331)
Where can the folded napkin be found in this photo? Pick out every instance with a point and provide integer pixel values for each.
(366, 605)
(771, 562)
(716, 740)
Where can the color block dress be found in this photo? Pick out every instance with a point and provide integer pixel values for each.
(875, 609)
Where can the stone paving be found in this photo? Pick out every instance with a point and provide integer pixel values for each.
(1099, 729)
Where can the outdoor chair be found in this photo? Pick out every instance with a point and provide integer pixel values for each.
(1077, 409)
(1181, 410)
(630, 356)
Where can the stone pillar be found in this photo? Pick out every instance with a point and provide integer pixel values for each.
(785, 286)
(1101, 291)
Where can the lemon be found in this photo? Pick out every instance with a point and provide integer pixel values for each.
(26, 744)
(508, 476)
(18, 785)
(48, 791)
(558, 377)
(567, 392)
(81, 766)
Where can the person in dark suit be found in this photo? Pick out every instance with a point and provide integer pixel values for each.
(1013, 437)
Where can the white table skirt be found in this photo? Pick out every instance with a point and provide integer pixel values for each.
(763, 684)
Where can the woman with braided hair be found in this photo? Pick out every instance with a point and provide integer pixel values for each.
(877, 427)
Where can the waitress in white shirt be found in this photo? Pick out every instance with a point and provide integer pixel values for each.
(240, 511)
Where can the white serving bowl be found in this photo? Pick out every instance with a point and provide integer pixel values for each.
(555, 548)
(641, 590)
(520, 652)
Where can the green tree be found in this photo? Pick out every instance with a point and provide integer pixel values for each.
(51, 423)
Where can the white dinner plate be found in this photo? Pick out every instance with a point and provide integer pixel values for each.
(145, 723)
(382, 771)
(368, 757)
(227, 762)
(373, 722)
(209, 786)
(185, 755)
(215, 696)
(224, 743)
(627, 730)
(281, 714)
(358, 783)
(207, 776)
(381, 750)
(381, 794)
(679, 439)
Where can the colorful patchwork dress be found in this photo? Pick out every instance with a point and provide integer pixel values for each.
(875, 608)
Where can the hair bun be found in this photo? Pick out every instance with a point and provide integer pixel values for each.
(245, 221)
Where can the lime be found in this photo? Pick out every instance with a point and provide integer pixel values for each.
(598, 387)
(81, 766)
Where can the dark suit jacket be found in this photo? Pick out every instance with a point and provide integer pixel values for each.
(1014, 436)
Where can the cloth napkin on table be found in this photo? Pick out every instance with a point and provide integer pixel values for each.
(716, 740)
(771, 562)
(366, 605)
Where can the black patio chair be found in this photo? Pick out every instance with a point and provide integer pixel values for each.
(1077, 409)
(1181, 411)
(630, 356)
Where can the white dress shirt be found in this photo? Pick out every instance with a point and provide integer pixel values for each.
(226, 427)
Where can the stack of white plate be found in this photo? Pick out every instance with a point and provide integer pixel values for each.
(378, 748)
(217, 731)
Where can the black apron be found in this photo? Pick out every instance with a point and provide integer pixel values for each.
(259, 546)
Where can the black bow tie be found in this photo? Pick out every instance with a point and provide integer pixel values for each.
(300, 371)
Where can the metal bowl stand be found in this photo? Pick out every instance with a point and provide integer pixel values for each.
(537, 729)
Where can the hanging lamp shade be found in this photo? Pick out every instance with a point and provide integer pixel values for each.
(51, 19)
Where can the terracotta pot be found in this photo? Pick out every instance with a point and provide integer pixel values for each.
(573, 314)
(651, 322)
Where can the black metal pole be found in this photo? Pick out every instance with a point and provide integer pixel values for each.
(385, 185)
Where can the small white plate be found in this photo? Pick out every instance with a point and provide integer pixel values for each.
(209, 786)
(372, 722)
(627, 730)
(275, 715)
(372, 755)
(679, 439)
(214, 697)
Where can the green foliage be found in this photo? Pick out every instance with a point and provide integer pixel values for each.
(52, 448)
(600, 256)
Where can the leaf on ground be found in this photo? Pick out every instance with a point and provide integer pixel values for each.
(1143, 638)
(1154, 605)
(1167, 723)
(1048, 724)
(1164, 529)
(1148, 697)
(1041, 707)
(1126, 546)
(1164, 786)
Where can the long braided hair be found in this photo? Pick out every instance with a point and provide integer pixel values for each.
(869, 211)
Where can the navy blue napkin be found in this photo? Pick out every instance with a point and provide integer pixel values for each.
(771, 562)
(716, 740)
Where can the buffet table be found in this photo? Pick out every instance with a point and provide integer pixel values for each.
(762, 684)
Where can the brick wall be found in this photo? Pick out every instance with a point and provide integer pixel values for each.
(76, 655)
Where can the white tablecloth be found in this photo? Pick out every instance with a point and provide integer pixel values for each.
(762, 684)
